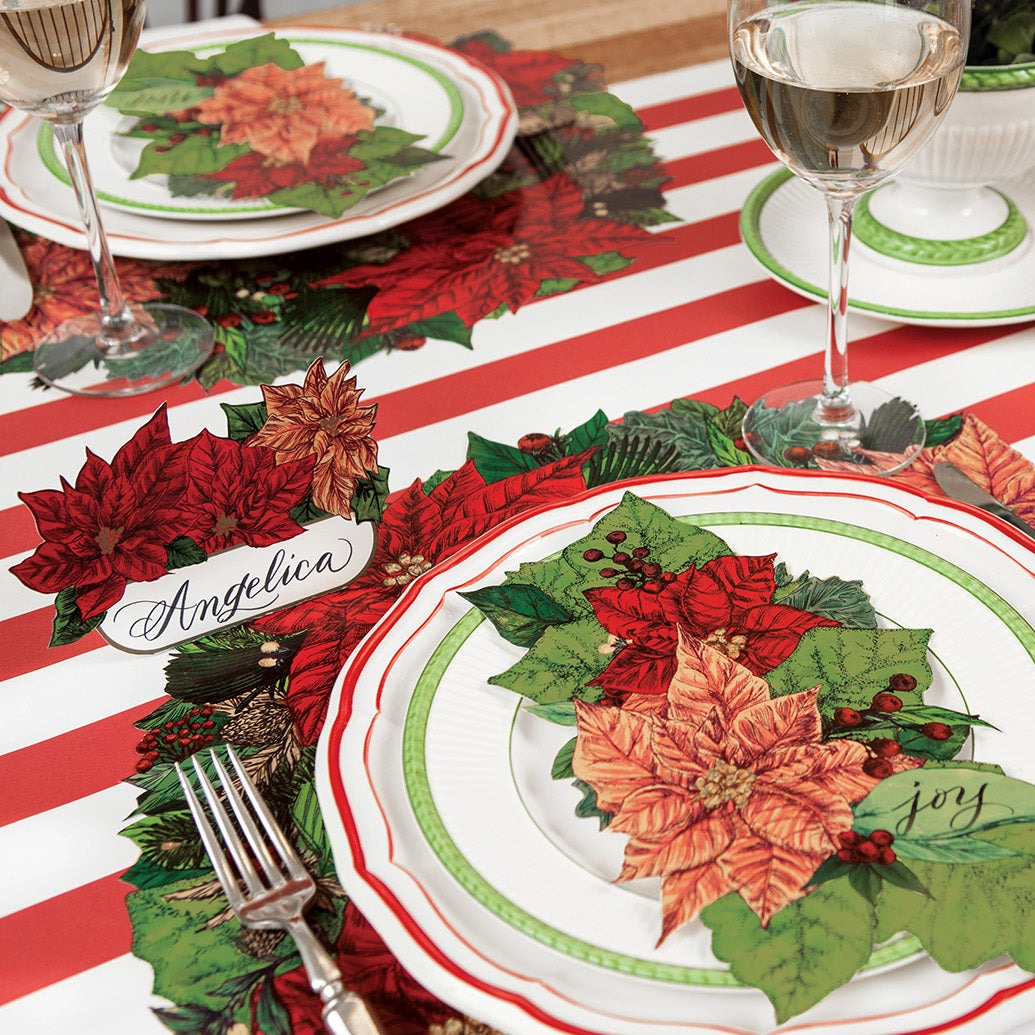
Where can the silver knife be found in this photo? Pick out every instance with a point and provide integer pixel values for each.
(963, 488)
(15, 285)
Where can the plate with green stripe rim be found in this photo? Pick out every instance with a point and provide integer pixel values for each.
(783, 222)
(453, 839)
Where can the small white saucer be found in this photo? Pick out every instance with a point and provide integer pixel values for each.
(784, 224)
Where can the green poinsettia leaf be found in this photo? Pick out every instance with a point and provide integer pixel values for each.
(587, 806)
(943, 429)
(521, 614)
(555, 286)
(606, 262)
(243, 419)
(495, 461)
(196, 155)
(147, 67)
(588, 435)
(157, 96)
(560, 664)
(866, 881)
(562, 712)
(901, 876)
(674, 545)
(610, 107)
(724, 447)
(851, 665)
(976, 912)
(563, 768)
(444, 327)
(182, 552)
(253, 52)
(370, 496)
(811, 947)
(843, 601)
(69, 625)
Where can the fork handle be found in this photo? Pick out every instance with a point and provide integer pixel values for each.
(344, 1012)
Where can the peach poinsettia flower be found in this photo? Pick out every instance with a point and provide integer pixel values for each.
(729, 790)
(322, 418)
(65, 286)
(282, 114)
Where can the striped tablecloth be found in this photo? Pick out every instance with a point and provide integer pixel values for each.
(696, 317)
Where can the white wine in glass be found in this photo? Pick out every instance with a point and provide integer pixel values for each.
(843, 92)
(58, 60)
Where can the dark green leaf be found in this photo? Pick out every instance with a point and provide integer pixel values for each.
(587, 806)
(495, 461)
(68, 622)
(943, 429)
(829, 869)
(892, 427)
(182, 552)
(865, 880)
(901, 876)
(370, 496)
(588, 435)
(271, 1016)
(520, 613)
(243, 419)
(562, 763)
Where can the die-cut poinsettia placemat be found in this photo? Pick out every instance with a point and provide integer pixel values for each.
(570, 205)
(264, 685)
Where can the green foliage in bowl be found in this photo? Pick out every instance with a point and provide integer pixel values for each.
(1002, 32)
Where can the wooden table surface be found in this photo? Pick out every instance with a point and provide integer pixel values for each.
(628, 39)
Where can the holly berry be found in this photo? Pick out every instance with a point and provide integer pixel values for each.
(593, 556)
(608, 573)
(740, 443)
(653, 586)
(796, 454)
(847, 717)
(827, 449)
(887, 702)
(849, 838)
(641, 551)
(534, 443)
(878, 768)
(936, 730)
(873, 850)
(615, 537)
(620, 557)
(887, 856)
(882, 838)
(625, 584)
(868, 851)
(902, 683)
(885, 748)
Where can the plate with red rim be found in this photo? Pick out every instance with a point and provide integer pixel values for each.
(462, 110)
(452, 838)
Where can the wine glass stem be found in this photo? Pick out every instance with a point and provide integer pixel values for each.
(119, 328)
(835, 406)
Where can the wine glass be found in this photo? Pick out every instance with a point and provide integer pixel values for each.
(843, 92)
(58, 60)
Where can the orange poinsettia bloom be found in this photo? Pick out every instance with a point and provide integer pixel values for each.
(322, 418)
(729, 789)
(65, 286)
(282, 114)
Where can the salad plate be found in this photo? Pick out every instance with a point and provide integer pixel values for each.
(783, 224)
(463, 111)
(462, 822)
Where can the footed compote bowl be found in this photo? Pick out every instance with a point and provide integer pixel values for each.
(942, 211)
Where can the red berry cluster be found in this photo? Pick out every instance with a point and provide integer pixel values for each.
(537, 444)
(884, 704)
(177, 738)
(873, 849)
(634, 569)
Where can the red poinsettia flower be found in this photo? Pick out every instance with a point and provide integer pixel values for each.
(402, 1006)
(478, 253)
(726, 603)
(528, 73)
(417, 530)
(240, 494)
(113, 526)
(255, 175)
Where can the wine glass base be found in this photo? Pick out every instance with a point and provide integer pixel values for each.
(786, 428)
(171, 343)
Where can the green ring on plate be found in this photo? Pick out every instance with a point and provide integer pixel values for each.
(925, 251)
(989, 78)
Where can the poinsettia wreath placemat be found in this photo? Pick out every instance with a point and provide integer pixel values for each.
(263, 684)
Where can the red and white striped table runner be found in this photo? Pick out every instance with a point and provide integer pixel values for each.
(694, 316)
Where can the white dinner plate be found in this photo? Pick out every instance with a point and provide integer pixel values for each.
(464, 110)
(784, 224)
(455, 842)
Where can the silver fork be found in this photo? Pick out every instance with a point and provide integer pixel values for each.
(276, 896)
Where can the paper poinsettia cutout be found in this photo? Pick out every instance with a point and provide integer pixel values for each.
(728, 790)
(727, 603)
(160, 505)
(748, 731)
(254, 121)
